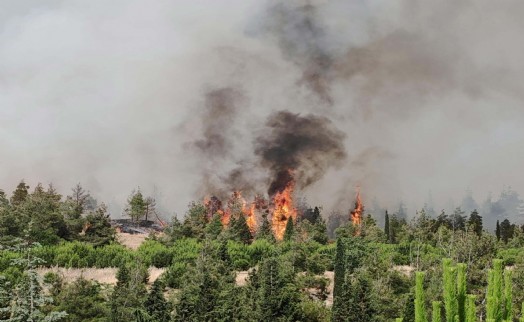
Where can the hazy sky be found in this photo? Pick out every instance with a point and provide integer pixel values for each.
(112, 94)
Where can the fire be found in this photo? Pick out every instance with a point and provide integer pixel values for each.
(250, 217)
(235, 205)
(356, 214)
(283, 211)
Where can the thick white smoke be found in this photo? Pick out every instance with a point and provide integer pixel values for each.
(113, 93)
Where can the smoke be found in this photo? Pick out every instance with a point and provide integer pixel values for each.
(189, 98)
(215, 148)
(301, 147)
(302, 39)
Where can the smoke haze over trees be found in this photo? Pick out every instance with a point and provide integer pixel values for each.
(427, 96)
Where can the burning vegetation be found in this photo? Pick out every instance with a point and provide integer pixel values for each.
(356, 214)
(295, 150)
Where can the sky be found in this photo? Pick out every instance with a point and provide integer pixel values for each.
(116, 95)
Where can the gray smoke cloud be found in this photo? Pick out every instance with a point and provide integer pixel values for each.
(171, 96)
(298, 149)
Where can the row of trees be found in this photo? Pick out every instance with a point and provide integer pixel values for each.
(78, 217)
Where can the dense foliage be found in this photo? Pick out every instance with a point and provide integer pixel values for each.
(444, 267)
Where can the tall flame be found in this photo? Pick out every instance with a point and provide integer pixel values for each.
(283, 211)
(250, 218)
(356, 214)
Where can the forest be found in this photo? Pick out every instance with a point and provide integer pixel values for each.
(323, 268)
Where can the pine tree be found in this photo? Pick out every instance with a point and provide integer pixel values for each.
(360, 306)
(277, 295)
(99, 232)
(83, 301)
(475, 222)
(497, 230)
(420, 308)
(506, 230)
(136, 206)
(214, 227)
(20, 194)
(290, 230)
(129, 292)
(240, 230)
(79, 200)
(265, 232)
(386, 226)
(156, 305)
(319, 233)
(199, 293)
(27, 298)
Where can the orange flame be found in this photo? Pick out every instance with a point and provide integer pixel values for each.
(283, 211)
(356, 214)
(235, 203)
(251, 219)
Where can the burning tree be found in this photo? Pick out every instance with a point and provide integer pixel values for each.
(356, 214)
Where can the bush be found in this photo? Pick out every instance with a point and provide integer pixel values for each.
(238, 254)
(185, 250)
(155, 253)
(112, 255)
(260, 249)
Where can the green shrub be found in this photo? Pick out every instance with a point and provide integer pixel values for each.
(155, 253)
(260, 249)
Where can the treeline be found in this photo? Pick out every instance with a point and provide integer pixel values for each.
(43, 215)
(374, 266)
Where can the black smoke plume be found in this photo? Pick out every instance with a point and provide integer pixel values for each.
(298, 148)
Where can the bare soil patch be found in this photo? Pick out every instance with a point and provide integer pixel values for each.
(101, 275)
(132, 241)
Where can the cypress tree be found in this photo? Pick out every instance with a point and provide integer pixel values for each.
(461, 291)
(436, 316)
(420, 308)
(508, 296)
(450, 290)
(386, 226)
(408, 314)
(495, 297)
(490, 299)
(471, 310)
(497, 230)
(339, 281)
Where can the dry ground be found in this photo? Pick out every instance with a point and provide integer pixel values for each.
(132, 241)
(101, 275)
